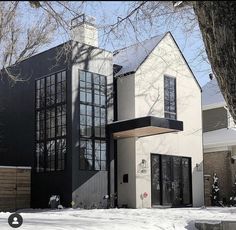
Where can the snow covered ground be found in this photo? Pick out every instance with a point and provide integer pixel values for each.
(117, 219)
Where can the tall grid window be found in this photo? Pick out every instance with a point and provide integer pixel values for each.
(93, 116)
(170, 97)
(51, 122)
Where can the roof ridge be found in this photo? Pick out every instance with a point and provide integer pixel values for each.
(116, 51)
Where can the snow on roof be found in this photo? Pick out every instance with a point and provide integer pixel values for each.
(219, 138)
(211, 95)
(131, 57)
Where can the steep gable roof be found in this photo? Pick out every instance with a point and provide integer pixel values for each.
(211, 95)
(131, 57)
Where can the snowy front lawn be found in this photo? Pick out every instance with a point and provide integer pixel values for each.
(117, 219)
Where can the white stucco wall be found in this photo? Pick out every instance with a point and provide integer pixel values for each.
(98, 61)
(126, 165)
(125, 93)
(86, 34)
(126, 147)
(149, 100)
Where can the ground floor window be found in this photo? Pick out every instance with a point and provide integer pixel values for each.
(171, 180)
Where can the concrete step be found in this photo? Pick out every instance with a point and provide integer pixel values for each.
(215, 224)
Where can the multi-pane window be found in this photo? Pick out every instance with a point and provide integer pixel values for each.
(93, 113)
(170, 97)
(51, 122)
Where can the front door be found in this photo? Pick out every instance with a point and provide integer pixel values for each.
(171, 180)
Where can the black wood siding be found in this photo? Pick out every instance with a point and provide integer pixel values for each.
(19, 120)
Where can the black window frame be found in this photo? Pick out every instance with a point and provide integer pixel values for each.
(168, 112)
(98, 106)
(55, 140)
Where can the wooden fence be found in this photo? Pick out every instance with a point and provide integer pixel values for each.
(15, 188)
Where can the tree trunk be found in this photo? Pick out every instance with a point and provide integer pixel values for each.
(217, 23)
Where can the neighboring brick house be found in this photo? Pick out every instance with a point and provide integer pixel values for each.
(219, 141)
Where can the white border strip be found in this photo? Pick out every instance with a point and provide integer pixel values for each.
(213, 106)
(14, 167)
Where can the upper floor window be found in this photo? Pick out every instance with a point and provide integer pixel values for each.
(51, 122)
(170, 97)
(93, 116)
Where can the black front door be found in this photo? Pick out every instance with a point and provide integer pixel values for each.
(171, 180)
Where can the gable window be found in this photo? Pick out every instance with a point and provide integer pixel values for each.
(170, 97)
(93, 116)
(51, 122)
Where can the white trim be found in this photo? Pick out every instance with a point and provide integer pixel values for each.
(219, 144)
(14, 167)
(216, 149)
(213, 106)
(207, 175)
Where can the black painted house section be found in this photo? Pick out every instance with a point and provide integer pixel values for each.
(19, 118)
(18, 146)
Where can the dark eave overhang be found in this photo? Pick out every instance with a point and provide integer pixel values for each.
(143, 126)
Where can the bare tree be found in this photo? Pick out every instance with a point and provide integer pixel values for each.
(25, 31)
(217, 23)
(218, 26)
(214, 18)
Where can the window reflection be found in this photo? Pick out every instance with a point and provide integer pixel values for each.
(170, 97)
(51, 122)
(92, 121)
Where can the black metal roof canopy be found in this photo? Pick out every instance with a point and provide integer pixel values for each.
(143, 126)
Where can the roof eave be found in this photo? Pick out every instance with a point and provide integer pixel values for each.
(185, 61)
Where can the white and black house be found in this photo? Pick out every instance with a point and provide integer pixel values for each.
(92, 123)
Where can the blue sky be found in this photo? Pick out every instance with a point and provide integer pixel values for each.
(190, 44)
(107, 12)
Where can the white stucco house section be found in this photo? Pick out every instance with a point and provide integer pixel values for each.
(126, 147)
(97, 61)
(166, 59)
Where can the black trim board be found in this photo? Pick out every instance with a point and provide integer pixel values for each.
(142, 122)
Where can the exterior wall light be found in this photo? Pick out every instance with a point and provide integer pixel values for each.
(198, 167)
(144, 164)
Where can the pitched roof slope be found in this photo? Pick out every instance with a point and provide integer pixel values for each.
(211, 95)
(131, 57)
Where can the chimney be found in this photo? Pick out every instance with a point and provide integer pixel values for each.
(211, 76)
(84, 30)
